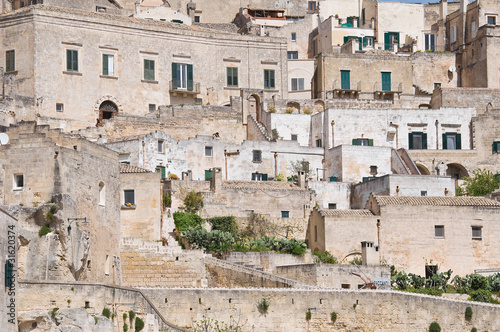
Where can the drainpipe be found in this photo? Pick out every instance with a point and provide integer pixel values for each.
(378, 238)
(333, 133)
(275, 164)
(225, 161)
(437, 135)
(143, 156)
(397, 133)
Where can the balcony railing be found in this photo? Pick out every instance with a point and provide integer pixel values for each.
(184, 87)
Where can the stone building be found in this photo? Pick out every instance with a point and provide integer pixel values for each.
(81, 178)
(416, 234)
(134, 68)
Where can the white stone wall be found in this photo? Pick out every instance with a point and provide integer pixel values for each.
(338, 193)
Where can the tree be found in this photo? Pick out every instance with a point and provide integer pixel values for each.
(482, 182)
(193, 202)
(301, 165)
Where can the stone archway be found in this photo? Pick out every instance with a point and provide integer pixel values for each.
(319, 106)
(423, 170)
(254, 108)
(456, 171)
(106, 107)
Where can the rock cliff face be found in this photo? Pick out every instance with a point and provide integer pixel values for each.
(62, 253)
(63, 320)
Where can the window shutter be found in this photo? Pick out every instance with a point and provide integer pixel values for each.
(229, 76)
(410, 141)
(175, 79)
(75, 60)
(346, 39)
(68, 60)
(190, 77)
(294, 84)
(355, 142)
(363, 16)
(345, 80)
(264, 177)
(301, 84)
(459, 141)
(445, 143)
(272, 79)
(370, 142)
(495, 147)
(386, 41)
(424, 141)
(360, 40)
(105, 69)
(235, 76)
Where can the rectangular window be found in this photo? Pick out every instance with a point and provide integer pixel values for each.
(439, 232)
(10, 61)
(59, 107)
(208, 151)
(362, 141)
(292, 55)
(430, 42)
(417, 141)
(297, 84)
(453, 33)
(232, 77)
(311, 5)
(149, 70)
(294, 137)
(152, 107)
(100, 9)
(71, 60)
(259, 176)
(492, 20)
(452, 141)
(196, 19)
(18, 181)
(257, 156)
(319, 144)
(391, 38)
(161, 146)
(495, 147)
(182, 76)
(107, 65)
(423, 193)
(345, 79)
(477, 232)
(473, 29)
(129, 197)
(332, 206)
(269, 79)
(294, 36)
(386, 81)
(285, 214)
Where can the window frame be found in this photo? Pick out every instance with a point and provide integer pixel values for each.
(72, 60)
(161, 146)
(294, 137)
(285, 214)
(106, 65)
(59, 107)
(10, 61)
(232, 77)
(269, 79)
(256, 153)
(297, 84)
(211, 149)
(125, 202)
(476, 228)
(311, 5)
(292, 55)
(437, 232)
(293, 36)
(148, 73)
(423, 140)
(17, 187)
(457, 142)
(453, 34)
(488, 17)
(430, 42)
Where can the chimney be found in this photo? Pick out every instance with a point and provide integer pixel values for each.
(216, 181)
(463, 19)
(443, 10)
(369, 253)
(302, 179)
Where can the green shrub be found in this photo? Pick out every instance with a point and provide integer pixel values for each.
(224, 224)
(271, 109)
(325, 257)
(280, 177)
(167, 200)
(289, 110)
(106, 312)
(49, 215)
(468, 313)
(473, 329)
(53, 313)
(131, 316)
(333, 316)
(308, 315)
(184, 221)
(96, 320)
(125, 327)
(44, 230)
(263, 305)
(139, 324)
(53, 209)
(482, 295)
(275, 133)
(356, 261)
(307, 110)
(125, 316)
(434, 327)
(193, 202)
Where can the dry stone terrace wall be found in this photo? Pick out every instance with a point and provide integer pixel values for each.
(356, 310)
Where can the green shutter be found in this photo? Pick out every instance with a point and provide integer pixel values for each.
(229, 76)
(458, 139)
(386, 81)
(445, 143)
(10, 61)
(424, 141)
(360, 42)
(190, 77)
(264, 177)
(162, 170)
(494, 147)
(68, 60)
(345, 79)
(208, 175)
(387, 45)
(235, 76)
(363, 16)
(9, 273)
(271, 72)
(175, 79)
(346, 39)
(105, 70)
(410, 141)
(75, 60)
(370, 142)
(355, 141)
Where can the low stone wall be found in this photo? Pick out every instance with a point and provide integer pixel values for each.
(362, 310)
(267, 260)
(153, 265)
(224, 274)
(334, 275)
(44, 296)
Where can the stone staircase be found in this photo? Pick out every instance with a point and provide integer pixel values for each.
(408, 162)
(260, 127)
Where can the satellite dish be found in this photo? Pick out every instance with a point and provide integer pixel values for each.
(4, 138)
(452, 69)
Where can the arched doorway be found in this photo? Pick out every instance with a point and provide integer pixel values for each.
(254, 107)
(319, 106)
(423, 170)
(456, 171)
(106, 111)
(294, 106)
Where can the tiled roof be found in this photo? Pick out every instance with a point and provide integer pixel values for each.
(263, 185)
(436, 200)
(345, 213)
(125, 168)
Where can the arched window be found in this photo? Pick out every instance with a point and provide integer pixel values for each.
(102, 193)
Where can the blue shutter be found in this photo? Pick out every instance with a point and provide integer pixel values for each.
(386, 81)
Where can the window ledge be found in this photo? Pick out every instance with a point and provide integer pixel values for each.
(72, 73)
(257, 162)
(149, 81)
(11, 72)
(100, 204)
(109, 77)
(271, 90)
(18, 189)
(477, 238)
(131, 207)
(231, 88)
